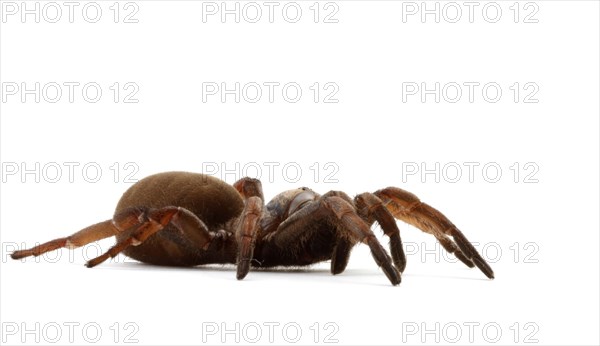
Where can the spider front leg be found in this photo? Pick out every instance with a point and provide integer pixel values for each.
(407, 207)
(340, 212)
(371, 208)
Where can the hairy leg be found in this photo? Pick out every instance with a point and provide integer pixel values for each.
(342, 213)
(408, 208)
(371, 208)
(85, 236)
(150, 221)
(341, 255)
(248, 224)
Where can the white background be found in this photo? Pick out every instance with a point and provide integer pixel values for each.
(541, 235)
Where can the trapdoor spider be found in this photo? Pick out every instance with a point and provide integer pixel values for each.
(189, 219)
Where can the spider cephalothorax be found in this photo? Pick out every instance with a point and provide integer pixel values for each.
(189, 219)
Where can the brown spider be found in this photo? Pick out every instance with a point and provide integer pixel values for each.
(189, 219)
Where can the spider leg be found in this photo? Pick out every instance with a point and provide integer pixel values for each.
(248, 226)
(451, 247)
(408, 208)
(87, 235)
(341, 251)
(352, 226)
(340, 256)
(371, 208)
(247, 235)
(148, 222)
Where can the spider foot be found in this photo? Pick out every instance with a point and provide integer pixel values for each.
(384, 261)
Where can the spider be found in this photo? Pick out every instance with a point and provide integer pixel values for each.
(189, 219)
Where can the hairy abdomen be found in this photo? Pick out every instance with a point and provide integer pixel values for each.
(212, 200)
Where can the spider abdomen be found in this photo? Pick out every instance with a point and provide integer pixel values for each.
(210, 199)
